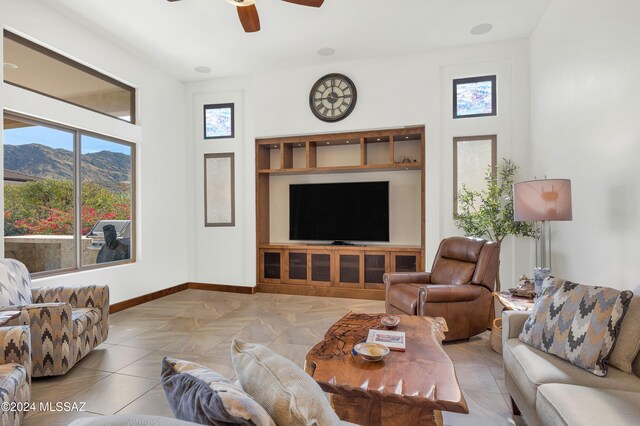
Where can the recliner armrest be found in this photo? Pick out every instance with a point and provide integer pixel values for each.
(407, 278)
(447, 293)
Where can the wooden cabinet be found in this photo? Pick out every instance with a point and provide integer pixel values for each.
(344, 271)
(337, 270)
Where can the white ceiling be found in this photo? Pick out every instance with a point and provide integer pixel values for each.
(181, 35)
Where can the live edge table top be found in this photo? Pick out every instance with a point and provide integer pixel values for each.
(421, 376)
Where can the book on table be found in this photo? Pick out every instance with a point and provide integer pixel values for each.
(394, 340)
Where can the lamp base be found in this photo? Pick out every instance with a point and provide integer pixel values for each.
(539, 274)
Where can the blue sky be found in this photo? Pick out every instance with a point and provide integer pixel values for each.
(55, 138)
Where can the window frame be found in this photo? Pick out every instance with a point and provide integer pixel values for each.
(494, 161)
(68, 61)
(77, 193)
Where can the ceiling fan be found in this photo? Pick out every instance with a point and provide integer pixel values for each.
(248, 13)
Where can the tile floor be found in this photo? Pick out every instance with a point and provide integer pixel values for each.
(122, 374)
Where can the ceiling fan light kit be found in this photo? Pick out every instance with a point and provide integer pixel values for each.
(248, 13)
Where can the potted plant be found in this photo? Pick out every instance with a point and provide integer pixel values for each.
(489, 213)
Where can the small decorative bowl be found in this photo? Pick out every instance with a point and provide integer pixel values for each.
(390, 321)
(371, 352)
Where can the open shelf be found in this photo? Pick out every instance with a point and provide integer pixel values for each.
(343, 271)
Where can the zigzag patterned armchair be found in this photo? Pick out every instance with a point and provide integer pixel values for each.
(66, 322)
(15, 372)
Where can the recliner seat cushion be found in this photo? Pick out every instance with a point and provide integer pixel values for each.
(572, 405)
(531, 368)
(84, 318)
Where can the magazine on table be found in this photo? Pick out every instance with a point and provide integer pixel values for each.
(394, 340)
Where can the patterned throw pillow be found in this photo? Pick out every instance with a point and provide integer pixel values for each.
(577, 322)
(199, 395)
(289, 394)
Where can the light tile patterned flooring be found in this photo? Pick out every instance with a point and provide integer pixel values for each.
(122, 374)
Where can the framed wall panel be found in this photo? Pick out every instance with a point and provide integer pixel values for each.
(219, 192)
(471, 157)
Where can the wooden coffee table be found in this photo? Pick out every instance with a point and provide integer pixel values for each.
(405, 388)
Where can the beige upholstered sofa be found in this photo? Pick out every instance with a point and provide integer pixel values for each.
(548, 390)
(66, 322)
(15, 373)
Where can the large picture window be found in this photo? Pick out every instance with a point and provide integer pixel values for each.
(68, 197)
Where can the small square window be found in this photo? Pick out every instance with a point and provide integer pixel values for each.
(218, 121)
(474, 97)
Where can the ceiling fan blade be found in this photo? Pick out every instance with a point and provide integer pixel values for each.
(311, 3)
(173, 0)
(249, 18)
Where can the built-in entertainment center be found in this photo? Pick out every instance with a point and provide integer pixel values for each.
(336, 211)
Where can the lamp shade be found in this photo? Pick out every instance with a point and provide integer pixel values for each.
(544, 199)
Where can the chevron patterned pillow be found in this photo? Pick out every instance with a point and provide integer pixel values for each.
(577, 322)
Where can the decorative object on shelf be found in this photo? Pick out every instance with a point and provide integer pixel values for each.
(525, 288)
(471, 154)
(489, 213)
(542, 201)
(219, 121)
(248, 13)
(474, 97)
(333, 97)
(219, 192)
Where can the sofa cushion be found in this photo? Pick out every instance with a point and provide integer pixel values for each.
(529, 368)
(577, 322)
(628, 343)
(84, 318)
(288, 394)
(572, 405)
(198, 394)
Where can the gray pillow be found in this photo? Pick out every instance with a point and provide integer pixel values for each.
(197, 394)
(288, 394)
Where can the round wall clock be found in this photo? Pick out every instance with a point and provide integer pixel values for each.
(333, 97)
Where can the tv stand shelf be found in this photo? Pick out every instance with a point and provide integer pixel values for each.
(353, 271)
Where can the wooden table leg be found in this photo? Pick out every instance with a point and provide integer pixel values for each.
(369, 412)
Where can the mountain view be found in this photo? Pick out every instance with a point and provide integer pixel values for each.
(104, 167)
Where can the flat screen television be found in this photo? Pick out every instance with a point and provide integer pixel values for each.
(354, 211)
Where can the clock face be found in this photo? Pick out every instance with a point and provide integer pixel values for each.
(333, 97)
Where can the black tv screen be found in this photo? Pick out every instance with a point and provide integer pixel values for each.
(355, 211)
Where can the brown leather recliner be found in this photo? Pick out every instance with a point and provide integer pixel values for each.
(458, 288)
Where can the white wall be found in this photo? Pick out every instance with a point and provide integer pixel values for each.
(392, 92)
(585, 86)
(159, 138)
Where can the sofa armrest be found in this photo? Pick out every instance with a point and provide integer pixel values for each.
(15, 346)
(512, 323)
(406, 278)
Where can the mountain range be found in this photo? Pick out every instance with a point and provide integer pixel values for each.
(104, 167)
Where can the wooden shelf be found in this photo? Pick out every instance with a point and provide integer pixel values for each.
(344, 169)
(335, 270)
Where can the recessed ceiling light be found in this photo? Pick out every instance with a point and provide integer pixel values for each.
(481, 29)
(326, 51)
(202, 69)
(9, 66)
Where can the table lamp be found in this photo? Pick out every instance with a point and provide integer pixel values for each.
(542, 201)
